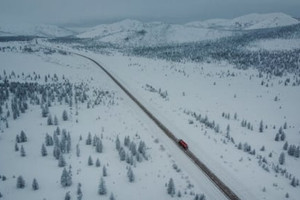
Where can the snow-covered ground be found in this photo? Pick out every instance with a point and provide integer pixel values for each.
(115, 116)
(238, 122)
(210, 90)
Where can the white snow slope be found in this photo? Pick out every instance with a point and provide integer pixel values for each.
(248, 22)
(133, 32)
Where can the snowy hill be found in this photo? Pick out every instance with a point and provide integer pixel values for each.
(248, 22)
(132, 32)
(34, 30)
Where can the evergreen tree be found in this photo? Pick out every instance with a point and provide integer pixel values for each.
(44, 151)
(122, 154)
(285, 146)
(282, 137)
(104, 171)
(130, 175)
(16, 147)
(294, 182)
(35, 185)
(89, 139)
(66, 178)
(285, 125)
(102, 188)
(68, 196)
(261, 126)
(79, 192)
(297, 152)
(68, 141)
(18, 140)
(61, 161)
(111, 197)
(20, 182)
(55, 121)
(132, 148)
(99, 146)
(282, 158)
(65, 115)
(77, 150)
(48, 140)
(291, 150)
(49, 120)
(90, 161)
(171, 187)
(45, 111)
(23, 137)
(118, 144)
(56, 152)
(98, 162)
(22, 152)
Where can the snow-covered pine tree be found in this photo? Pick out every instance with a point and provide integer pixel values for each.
(294, 182)
(16, 147)
(112, 197)
(122, 154)
(61, 161)
(49, 120)
(65, 115)
(22, 152)
(90, 161)
(79, 192)
(23, 137)
(44, 150)
(261, 126)
(118, 144)
(20, 182)
(285, 146)
(55, 122)
(104, 171)
(68, 196)
(77, 150)
(56, 152)
(35, 185)
(99, 146)
(281, 158)
(102, 188)
(68, 145)
(171, 187)
(130, 175)
(66, 178)
(98, 162)
(89, 139)
(132, 148)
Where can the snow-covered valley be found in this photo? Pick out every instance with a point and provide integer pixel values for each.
(238, 117)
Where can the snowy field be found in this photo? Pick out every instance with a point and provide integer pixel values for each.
(245, 158)
(111, 116)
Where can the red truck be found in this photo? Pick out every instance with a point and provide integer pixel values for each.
(183, 144)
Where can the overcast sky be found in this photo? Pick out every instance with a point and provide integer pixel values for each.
(177, 11)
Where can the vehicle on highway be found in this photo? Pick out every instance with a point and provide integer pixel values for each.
(183, 144)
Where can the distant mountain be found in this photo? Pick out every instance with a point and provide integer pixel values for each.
(132, 32)
(33, 30)
(248, 22)
(136, 33)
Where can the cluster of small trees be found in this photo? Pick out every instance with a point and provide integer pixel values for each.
(163, 94)
(139, 153)
(21, 183)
